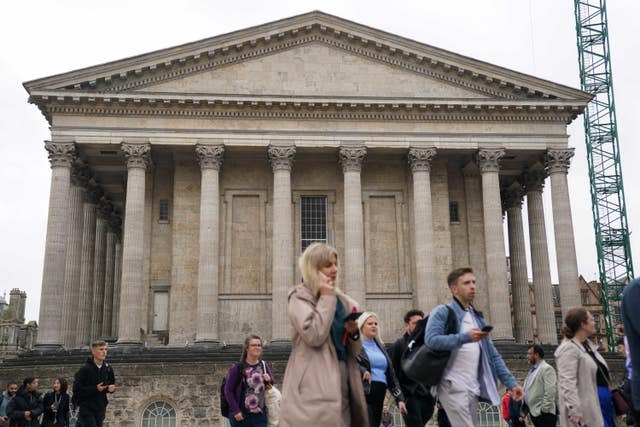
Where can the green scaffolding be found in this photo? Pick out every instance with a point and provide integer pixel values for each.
(603, 153)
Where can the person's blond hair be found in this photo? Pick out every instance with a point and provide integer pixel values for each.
(315, 257)
(363, 319)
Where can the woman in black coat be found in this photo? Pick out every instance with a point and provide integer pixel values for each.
(26, 406)
(56, 405)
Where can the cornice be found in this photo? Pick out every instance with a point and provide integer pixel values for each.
(228, 106)
(315, 26)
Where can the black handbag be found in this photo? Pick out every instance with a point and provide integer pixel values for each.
(422, 364)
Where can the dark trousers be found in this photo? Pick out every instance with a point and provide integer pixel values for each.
(250, 420)
(515, 422)
(375, 400)
(90, 419)
(544, 420)
(419, 410)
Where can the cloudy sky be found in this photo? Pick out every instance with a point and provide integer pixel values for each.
(42, 38)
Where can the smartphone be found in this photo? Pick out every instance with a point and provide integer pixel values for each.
(487, 328)
(323, 276)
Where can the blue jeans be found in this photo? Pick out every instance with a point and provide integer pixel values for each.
(250, 420)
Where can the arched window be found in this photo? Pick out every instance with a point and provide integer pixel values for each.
(159, 414)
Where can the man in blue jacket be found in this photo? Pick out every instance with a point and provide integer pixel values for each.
(474, 365)
(630, 304)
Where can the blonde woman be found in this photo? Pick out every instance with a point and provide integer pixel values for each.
(322, 385)
(377, 371)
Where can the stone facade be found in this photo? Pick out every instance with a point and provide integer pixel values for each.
(195, 162)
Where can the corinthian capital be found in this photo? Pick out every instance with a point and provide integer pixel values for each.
(61, 154)
(534, 177)
(281, 156)
(489, 159)
(351, 158)
(420, 159)
(558, 161)
(210, 156)
(512, 196)
(137, 155)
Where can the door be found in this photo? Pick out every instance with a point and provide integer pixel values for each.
(160, 311)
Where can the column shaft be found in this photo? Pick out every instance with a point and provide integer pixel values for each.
(281, 158)
(72, 267)
(558, 166)
(52, 297)
(425, 287)
(542, 292)
(86, 273)
(133, 246)
(117, 276)
(210, 158)
(98, 276)
(494, 243)
(521, 300)
(107, 310)
(354, 277)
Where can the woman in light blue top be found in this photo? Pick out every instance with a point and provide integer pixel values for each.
(377, 371)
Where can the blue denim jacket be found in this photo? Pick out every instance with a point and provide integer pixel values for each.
(437, 340)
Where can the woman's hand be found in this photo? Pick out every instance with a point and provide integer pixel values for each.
(266, 378)
(403, 407)
(576, 420)
(325, 284)
(238, 417)
(366, 377)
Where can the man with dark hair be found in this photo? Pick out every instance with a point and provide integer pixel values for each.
(12, 389)
(540, 389)
(92, 383)
(469, 375)
(420, 403)
(26, 406)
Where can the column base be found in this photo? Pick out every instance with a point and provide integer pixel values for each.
(48, 348)
(280, 344)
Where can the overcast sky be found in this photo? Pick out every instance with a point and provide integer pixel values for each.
(42, 38)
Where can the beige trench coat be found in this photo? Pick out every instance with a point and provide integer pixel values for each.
(311, 392)
(577, 387)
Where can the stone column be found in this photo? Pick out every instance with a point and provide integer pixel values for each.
(117, 276)
(61, 155)
(133, 246)
(85, 297)
(489, 162)
(210, 159)
(351, 158)
(557, 163)
(521, 301)
(99, 267)
(73, 259)
(281, 158)
(107, 306)
(475, 227)
(425, 287)
(545, 319)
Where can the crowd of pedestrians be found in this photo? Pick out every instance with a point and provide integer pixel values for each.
(339, 370)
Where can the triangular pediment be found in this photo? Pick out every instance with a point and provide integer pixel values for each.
(310, 55)
(314, 69)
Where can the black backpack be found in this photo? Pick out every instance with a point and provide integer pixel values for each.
(422, 364)
(224, 404)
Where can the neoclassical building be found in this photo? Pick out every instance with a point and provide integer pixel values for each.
(187, 181)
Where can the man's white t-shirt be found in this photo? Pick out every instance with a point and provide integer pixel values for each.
(462, 369)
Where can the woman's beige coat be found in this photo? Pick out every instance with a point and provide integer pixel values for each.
(577, 387)
(311, 391)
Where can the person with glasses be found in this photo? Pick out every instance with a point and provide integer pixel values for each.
(246, 385)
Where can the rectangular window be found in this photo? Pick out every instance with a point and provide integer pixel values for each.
(163, 214)
(584, 296)
(454, 213)
(313, 220)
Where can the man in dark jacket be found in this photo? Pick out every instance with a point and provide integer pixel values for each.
(420, 403)
(26, 406)
(92, 383)
(630, 303)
